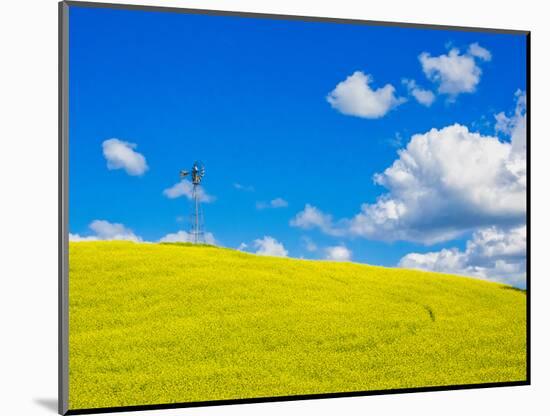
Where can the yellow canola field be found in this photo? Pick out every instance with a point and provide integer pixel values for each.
(172, 323)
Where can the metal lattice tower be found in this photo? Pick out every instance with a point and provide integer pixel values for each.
(197, 217)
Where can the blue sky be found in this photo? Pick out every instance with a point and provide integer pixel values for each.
(248, 97)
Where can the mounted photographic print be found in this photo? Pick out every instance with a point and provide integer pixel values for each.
(262, 207)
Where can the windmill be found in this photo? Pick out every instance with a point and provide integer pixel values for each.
(197, 219)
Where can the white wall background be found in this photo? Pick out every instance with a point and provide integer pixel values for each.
(28, 207)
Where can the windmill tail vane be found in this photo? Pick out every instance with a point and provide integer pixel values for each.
(197, 218)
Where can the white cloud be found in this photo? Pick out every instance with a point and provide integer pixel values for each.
(492, 253)
(274, 203)
(455, 73)
(121, 155)
(242, 247)
(355, 97)
(185, 188)
(268, 246)
(444, 183)
(241, 187)
(105, 230)
(502, 123)
(515, 125)
(312, 217)
(338, 253)
(185, 237)
(479, 52)
(78, 237)
(424, 97)
(493, 242)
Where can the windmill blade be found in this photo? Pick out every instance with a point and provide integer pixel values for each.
(198, 170)
(184, 173)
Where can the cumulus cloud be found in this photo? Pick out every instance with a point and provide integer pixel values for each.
(274, 203)
(121, 155)
(355, 97)
(446, 182)
(424, 97)
(455, 73)
(78, 237)
(268, 246)
(492, 253)
(185, 237)
(338, 253)
(479, 52)
(105, 230)
(312, 217)
(515, 125)
(185, 188)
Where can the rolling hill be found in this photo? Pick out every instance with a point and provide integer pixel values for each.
(162, 323)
